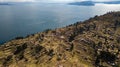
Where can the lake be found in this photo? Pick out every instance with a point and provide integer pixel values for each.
(23, 19)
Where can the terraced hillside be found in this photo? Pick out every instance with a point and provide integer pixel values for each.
(92, 43)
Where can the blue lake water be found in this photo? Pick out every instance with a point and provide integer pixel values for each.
(20, 20)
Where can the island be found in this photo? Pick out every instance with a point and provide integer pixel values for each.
(4, 3)
(112, 2)
(83, 3)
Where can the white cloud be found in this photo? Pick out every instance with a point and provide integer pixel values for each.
(73, 0)
(51, 0)
(104, 0)
(17, 0)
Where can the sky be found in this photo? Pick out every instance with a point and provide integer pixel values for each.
(57, 1)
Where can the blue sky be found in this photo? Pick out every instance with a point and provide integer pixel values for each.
(51, 0)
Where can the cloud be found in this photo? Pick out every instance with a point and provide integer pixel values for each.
(55, 0)
(104, 0)
(72, 0)
(51, 0)
(40, 0)
(17, 0)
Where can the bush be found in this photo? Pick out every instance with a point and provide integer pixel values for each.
(19, 37)
(117, 65)
(47, 30)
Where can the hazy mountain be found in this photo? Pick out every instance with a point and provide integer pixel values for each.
(83, 3)
(92, 3)
(112, 2)
(4, 4)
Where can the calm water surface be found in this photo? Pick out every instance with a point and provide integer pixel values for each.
(20, 20)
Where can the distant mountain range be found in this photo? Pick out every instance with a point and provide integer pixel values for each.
(92, 3)
(5, 4)
(87, 3)
(111, 2)
(14, 3)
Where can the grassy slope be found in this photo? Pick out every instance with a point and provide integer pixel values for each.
(94, 42)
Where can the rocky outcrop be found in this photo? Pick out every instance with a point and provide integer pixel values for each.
(92, 43)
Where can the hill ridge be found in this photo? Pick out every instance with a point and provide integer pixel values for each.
(91, 43)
